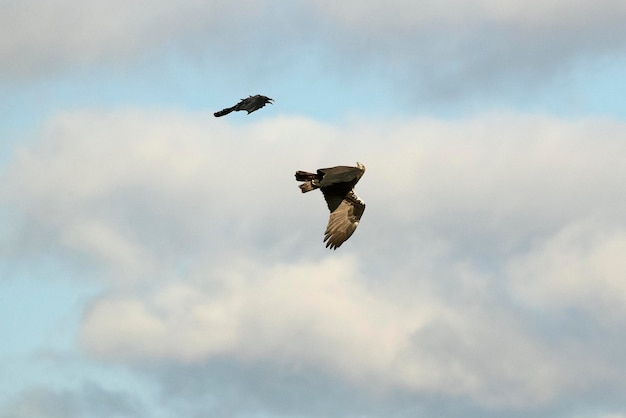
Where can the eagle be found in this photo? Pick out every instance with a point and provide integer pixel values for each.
(249, 104)
(346, 209)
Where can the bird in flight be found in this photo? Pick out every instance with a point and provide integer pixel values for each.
(346, 209)
(249, 104)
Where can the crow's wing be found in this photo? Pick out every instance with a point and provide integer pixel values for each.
(343, 220)
(252, 103)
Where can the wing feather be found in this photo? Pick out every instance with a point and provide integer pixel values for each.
(344, 220)
(344, 176)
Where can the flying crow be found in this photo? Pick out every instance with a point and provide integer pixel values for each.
(250, 104)
(346, 209)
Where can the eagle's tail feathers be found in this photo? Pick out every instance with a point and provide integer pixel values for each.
(304, 175)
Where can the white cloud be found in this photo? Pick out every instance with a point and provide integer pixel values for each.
(582, 267)
(160, 180)
(321, 316)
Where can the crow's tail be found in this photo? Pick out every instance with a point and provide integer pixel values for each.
(224, 111)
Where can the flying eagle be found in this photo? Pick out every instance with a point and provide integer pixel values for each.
(249, 104)
(346, 209)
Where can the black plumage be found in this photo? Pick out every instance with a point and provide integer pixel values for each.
(346, 209)
(249, 104)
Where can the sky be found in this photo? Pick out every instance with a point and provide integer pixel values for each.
(156, 261)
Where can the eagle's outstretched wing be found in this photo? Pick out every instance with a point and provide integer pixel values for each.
(343, 220)
(249, 104)
(346, 175)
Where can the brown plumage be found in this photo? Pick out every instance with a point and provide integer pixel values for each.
(346, 209)
(249, 104)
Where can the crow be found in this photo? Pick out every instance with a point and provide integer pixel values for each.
(249, 104)
(346, 209)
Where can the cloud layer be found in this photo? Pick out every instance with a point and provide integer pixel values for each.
(479, 238)
(432, 50)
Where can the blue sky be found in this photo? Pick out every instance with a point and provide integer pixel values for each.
(156, 261)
